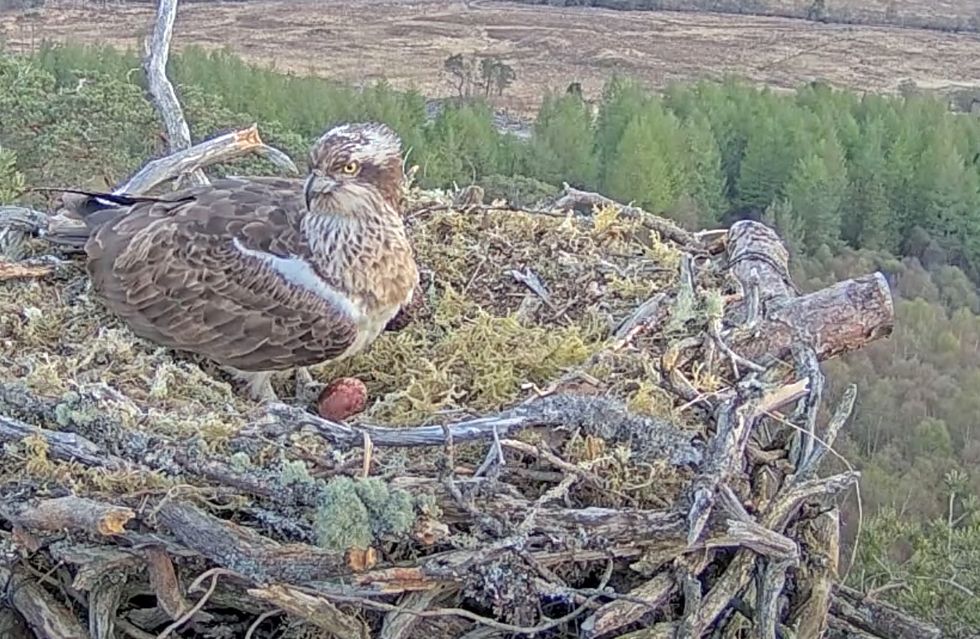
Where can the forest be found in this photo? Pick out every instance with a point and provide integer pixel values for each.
(852, 182)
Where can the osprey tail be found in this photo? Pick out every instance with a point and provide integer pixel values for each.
(93, 209)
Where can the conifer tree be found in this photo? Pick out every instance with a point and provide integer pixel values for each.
(770, 154)
(622, 100)
(705, 179)
(816, 193)
(563, 147)
(643, 170)
(868, 219)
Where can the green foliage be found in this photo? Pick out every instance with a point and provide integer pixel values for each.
(11, 180)
(462, 146)
(648, 168)
(562, 147)
(931, 568)
(815, 193)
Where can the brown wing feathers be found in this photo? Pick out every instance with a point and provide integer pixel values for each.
(186, 285)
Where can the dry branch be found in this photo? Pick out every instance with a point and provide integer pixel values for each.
(43, 613)
(597, 416)
(317, 610)
(65, 446)
(214, 150)
(823, 535)
(585, 201)
(164, 97)
(73, 513)
(838, 319)
(16, 224)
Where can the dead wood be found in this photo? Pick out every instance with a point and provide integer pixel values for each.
(596, 416)
(822, 536)
(191, 159)
(585, 201)
(838, 319)
(157, 52)
(12, 624)
(317, 610)
(44, 614)
(876, 618)
(74, 513)
(65, 446)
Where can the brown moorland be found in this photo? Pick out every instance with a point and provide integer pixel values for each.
(406, 41)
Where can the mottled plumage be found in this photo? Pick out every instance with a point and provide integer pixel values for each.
(263, 274)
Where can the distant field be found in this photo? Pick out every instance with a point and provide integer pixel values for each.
(406, 42)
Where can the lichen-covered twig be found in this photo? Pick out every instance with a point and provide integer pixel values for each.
(572, 198)
(599, 416)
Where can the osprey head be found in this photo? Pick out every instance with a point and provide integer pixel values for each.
(352, 166)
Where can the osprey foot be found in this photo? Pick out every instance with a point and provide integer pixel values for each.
(258, 386)
(307, 388)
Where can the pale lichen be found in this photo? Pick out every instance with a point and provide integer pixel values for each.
(355, 513)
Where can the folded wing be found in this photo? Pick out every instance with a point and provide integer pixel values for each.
(224, 275)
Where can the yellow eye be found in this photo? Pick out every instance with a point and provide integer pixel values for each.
(351, 168)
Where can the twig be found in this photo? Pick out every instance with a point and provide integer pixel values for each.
(574, 199)
(214, 573)
(604, 417)
(466, 614)
(258, 621)
(164, 97)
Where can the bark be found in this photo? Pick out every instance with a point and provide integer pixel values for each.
(161, 90)
(44, 614)
(74, 513)
(877, 619)
(836, 320)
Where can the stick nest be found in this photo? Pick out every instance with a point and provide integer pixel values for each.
(541, 452)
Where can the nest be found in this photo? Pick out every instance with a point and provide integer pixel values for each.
(561, 440)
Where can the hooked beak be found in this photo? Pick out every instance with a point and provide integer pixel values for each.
(316, 184)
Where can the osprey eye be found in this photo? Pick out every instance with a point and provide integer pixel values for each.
(351, 168)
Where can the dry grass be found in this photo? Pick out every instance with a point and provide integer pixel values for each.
(406, 42)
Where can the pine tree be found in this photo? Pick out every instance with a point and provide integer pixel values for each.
(705, 179)
(816, 192)
(642, 170)
(622, 100)
(868, 219)
(948, 191)
(462, 146)
(901, 159)
(770, 154)
(563, 144)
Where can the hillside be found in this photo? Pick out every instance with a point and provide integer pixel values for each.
(406, 43)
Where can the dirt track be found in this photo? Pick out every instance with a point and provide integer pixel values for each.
(407, 41)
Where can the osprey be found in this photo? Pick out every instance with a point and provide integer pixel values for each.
(263, 274)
